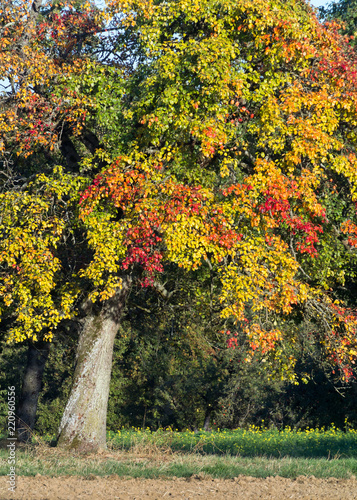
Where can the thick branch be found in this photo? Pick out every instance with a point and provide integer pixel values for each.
(159, 287)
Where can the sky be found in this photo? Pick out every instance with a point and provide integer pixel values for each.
(319, 3)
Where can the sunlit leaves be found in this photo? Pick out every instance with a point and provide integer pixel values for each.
(38, 52)
(28, 264)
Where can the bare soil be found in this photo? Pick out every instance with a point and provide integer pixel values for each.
(113, 487)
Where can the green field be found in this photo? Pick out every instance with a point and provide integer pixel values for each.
(252, 442)
(219, 454)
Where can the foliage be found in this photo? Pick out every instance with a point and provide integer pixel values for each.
(38, 198)
(32, 228)
(169, 369)
(245, 132)
(343, 11)
(38, 48)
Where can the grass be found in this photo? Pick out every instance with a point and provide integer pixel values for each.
(51, 462)
(225, 454)
(310, 443)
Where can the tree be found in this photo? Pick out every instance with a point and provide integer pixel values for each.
(222, 144)
(343, 11)
(44, 122)
(243, 121)
(36, 128)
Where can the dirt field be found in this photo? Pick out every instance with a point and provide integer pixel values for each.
(73, 488)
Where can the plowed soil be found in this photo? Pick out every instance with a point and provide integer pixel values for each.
(113, 487)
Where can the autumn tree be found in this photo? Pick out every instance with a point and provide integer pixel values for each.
(42, 44)
(225, 140)
(237, 122)
(50, 144)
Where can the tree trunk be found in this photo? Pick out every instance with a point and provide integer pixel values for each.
(207, 420)
(37, 355)
(83, 425)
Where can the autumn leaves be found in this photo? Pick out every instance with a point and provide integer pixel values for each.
(223, 145)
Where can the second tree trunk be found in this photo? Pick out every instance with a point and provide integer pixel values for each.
(37, 355)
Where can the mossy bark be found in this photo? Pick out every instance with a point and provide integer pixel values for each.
(37, 355)
(83, 425)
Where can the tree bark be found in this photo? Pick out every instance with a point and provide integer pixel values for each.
(37, 355)
(83, 425)
(207, 420)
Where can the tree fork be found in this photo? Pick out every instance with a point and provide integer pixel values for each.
(83, 425)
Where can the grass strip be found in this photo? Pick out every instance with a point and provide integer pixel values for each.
(123, 464)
